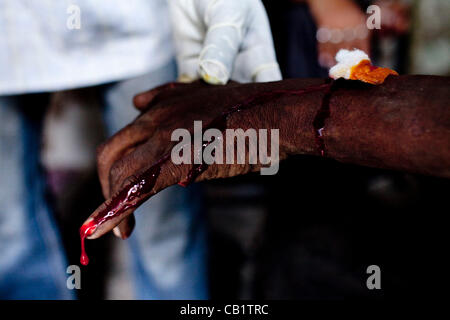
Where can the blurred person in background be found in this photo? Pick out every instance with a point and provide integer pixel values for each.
(117, 50)
(307, 34)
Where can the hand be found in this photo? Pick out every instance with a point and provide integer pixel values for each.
(352, 126)
(141, 144)
(222, 39)
(341, 25)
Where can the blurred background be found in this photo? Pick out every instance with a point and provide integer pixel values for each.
(310, 231)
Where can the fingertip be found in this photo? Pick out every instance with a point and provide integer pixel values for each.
(143, 101)
(213, 72)
(140, 101)
(267, 73)
(185, 78)
(116, 232)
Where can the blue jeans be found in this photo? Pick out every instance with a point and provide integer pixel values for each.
(32, 262)
(168, 245)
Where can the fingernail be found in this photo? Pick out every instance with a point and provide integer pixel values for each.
(117, 233)
(213, 72)
(88, 228)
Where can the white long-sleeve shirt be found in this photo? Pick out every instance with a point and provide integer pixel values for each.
(117, 39)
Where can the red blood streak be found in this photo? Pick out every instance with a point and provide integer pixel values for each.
(85, 231)
(128, 198)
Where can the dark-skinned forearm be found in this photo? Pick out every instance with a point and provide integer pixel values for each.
(403, 124)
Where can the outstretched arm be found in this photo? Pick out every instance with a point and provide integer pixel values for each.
(403, 124)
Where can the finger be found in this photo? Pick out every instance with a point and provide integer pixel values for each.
(99, 228)
(113, 211)
(125, 227)
(256, 61)
(118, 146)
(140, 188)
(144, 100)
(225, 21)
(256, 65)
(188, 68)
(267, 72)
